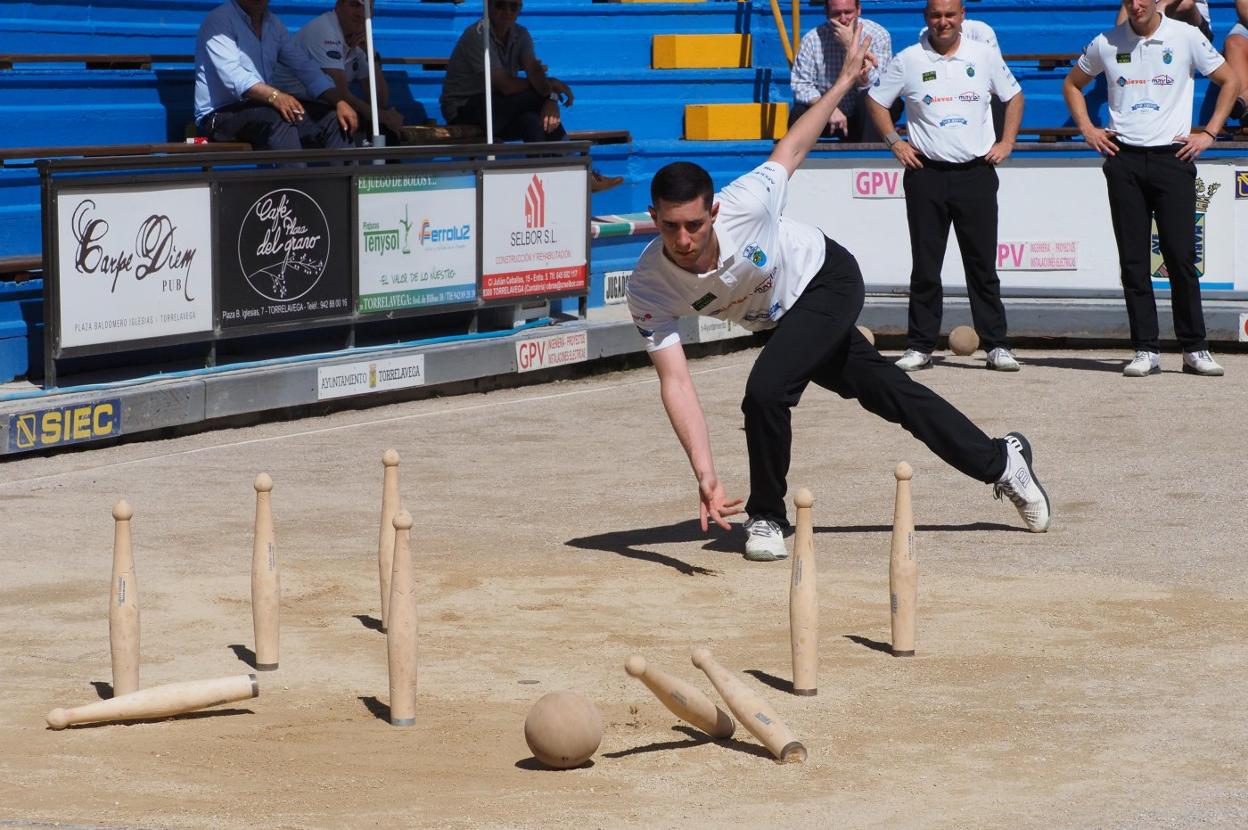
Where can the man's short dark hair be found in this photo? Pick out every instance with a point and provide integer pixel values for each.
(680, 182)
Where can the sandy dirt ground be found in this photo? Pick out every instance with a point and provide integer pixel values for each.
(1093, 676)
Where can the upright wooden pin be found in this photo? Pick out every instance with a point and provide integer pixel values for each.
(903, 567)
(682, 699)
(755, 714)
(266, 590)
(385, 541)
(804, 602)
(123, 605)
(401, 635)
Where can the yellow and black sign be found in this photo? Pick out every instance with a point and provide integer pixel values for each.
(71, 424)
(1241, 184)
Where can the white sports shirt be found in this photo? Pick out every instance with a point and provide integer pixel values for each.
(322, 38)
(765, 263)
(1150, 79)
(972, 29)
(947, 97)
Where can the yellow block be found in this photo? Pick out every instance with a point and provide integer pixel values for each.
(723, 122)
(700, 52)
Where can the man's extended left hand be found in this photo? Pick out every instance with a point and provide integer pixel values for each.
(999, 152)
(1194, 144)
(347, 118)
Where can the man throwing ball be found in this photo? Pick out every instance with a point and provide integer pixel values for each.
(732, 256)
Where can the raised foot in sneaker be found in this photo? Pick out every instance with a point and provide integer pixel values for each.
(1002, 359)
(1020, 486)
(1143, 364)
(1201, 363)
(914, 360)
(764, 541)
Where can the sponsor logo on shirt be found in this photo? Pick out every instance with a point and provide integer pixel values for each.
(1124, 82)
(953, 122)
(1145, 105)
(938, 99)
(645, 332)
(703, 301)
(755, 254)
(968, 96)
(1163, 80)
(774, 311)
(1167, 56)
(335, 54)
(1123, 57)
(756, 316)
(928, 76)
(970, 71)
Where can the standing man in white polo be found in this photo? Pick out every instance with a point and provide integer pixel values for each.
(1150, 166)
(950, 158)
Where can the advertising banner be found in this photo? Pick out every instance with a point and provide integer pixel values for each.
(417, 240)
(285, 250)
(133, 264)
(384, 374)
(535, 227)
(1055, 234)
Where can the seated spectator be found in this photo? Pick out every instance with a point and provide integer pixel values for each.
(1192, 12)
(1236, 51)
(818, 62)
(335, 41)
(237, 53)
(525, 108)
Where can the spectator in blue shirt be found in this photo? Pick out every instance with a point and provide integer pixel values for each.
(237, 51)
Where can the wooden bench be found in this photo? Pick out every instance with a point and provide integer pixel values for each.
(469, 134)
(93, 150)
(19, 268)
(1051, 60)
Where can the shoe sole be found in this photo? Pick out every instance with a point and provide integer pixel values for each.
(1216, 373)
(765, 556)
(1156, 370)
(1026, 445)
(1004, 368)
(918, 368)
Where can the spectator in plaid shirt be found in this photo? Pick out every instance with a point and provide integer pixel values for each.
(819, 60)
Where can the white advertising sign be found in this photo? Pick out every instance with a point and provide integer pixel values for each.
(133, 264)
(548, 352)
(383, 375)
(1243, 328)
(615, 287)
(710, 329)
(535, 227)
(417, 243)
(1058, 202)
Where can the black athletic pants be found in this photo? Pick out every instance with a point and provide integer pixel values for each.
(1145, 182)
(264, 128)
(517, 117)
(965, 195)
(817, 340)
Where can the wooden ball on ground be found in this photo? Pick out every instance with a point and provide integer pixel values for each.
(963, 341)
(563, 730)
(867, 333)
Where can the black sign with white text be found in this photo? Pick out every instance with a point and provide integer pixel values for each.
(285, 250)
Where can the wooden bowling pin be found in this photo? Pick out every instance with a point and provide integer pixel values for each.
(903, 567)
(123, 605)
(804, 602)
(401, 635)
(160, 701)
(755, 714)
(385, 541)
(266, 590)
(682, 699)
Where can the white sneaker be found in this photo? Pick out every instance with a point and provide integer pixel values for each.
(913, 360)
(1143, 364)
(764, 541)
(1019, 485)
(1002, 360)
(1201, 363)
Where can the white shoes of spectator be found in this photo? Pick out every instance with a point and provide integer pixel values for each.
(1201, 363)
(1146, 363)
(913, 360)
(1002, 360)
(764, 541)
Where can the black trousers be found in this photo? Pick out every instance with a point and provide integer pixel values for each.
(817, 340)
(264, 128)
(965, 195)
(516, 117)
(1143, 183)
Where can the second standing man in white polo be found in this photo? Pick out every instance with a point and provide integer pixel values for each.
(950, 158)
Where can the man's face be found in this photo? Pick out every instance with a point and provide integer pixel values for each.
(503, 14)
(1140, 11)
(351, 16)
(844, 12)
(685, 228)
(944, 21)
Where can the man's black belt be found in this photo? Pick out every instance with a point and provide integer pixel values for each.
(1160, 148)
(952, 165)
